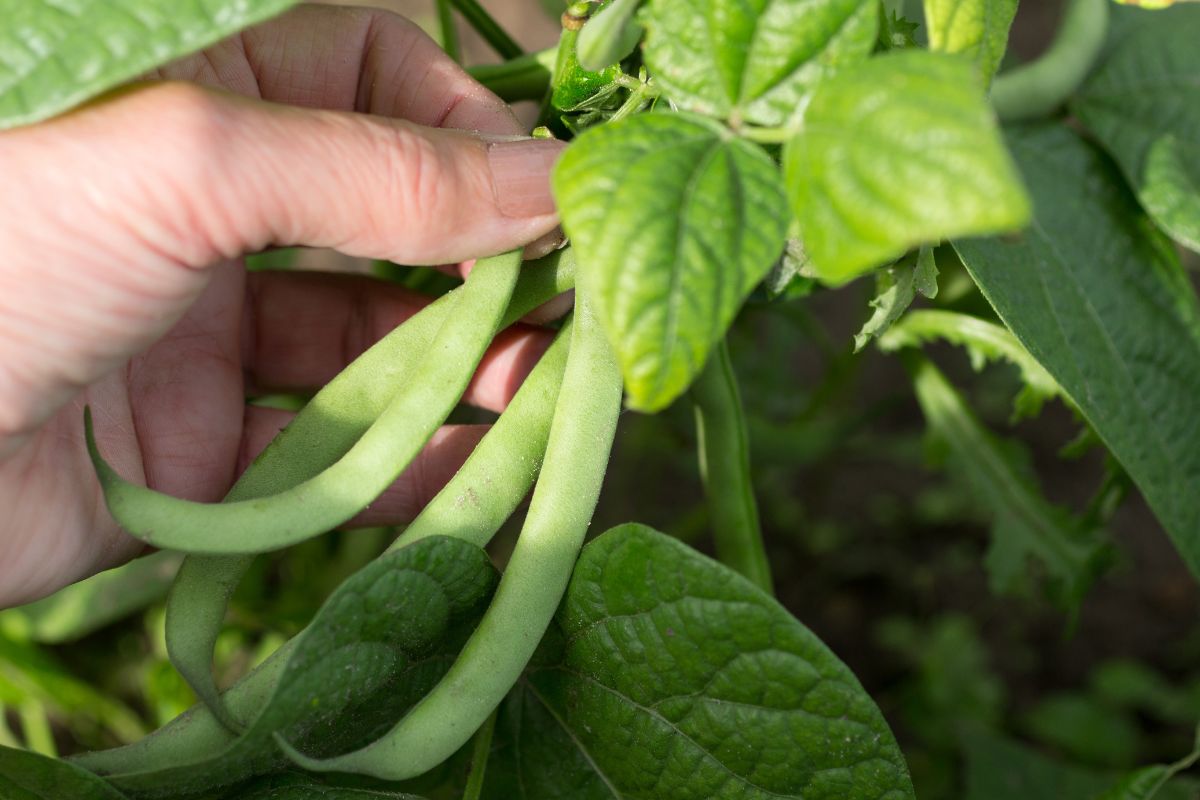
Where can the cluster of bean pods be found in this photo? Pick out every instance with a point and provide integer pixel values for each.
(347, 445)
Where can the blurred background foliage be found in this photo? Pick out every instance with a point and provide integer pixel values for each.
(995, 688)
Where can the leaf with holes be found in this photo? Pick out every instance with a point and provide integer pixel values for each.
(674, 221)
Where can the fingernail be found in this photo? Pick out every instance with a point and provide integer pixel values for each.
(521, 176)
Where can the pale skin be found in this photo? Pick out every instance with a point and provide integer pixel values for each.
(123, 225)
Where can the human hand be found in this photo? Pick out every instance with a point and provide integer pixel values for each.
(122, 225)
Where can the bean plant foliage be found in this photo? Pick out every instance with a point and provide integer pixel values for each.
(720, 151)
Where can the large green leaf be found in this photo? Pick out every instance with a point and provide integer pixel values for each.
(1025, 525)
(1099, 298)
(895, 152)
(380, 642)
(978, 29)
(56, 53)
(28, 776)
(752, 61)
(1143, 104)
(677, 678)
(674, 221)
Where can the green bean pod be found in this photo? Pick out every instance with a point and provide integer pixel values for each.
(532, 586)
(375, 461)
(1036, 89)
(505, 462)
(724, 452)
(609, 36)
(320, 434)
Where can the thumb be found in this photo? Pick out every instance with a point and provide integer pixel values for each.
(111, 214)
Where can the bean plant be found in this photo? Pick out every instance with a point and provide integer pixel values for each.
(720, 152)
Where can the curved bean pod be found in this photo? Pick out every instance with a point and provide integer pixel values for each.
(585, 420)
(1036, 89)
(320, 434)
(325, 501)
(505, 460)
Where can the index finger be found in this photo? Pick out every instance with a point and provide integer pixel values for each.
(350, 59)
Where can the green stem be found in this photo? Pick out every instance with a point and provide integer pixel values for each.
(488, 28)
(768, 135)
(724, 451)
(479, 759)
(524, 78)
(585, 419)
(35, 728)
(448, 29)
(1038, 88)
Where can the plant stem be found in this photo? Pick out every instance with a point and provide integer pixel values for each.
(523, 78)
(488, 28)
(724, 452)
(1038, 88)
(448, 30)
(35, 727)
(479, 758)
(767, 135)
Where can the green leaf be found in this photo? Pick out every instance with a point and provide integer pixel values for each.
(28, 776)
(55, 54)
(984, 342)
(753, 61)
(674, 220)
(978, 29)
(1024, 524)
(1099, 298)
(380, 642)
(91, 604)
(896, 288)
(895, 152)
(676, 677)
(1143, 105)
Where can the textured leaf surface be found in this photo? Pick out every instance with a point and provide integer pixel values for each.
(1099, 298)
(895, 152)
(57, 53)
(978, 29)
(1025, 526)
(379, 643)
(752, 61)
(679, 679)
(1143, 104)
(28, 776)
(674, 221)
